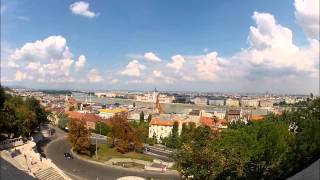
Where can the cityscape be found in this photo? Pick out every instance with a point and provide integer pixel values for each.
(159, 90)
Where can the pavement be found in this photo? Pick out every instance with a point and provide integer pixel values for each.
(312, 172)
(78, 169)
(9, 172)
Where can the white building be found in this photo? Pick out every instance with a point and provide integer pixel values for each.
(266, 103)
(216, 102)
(232, 102)
(200, 101)
(249, 102)
(160, 129)
(152, 97)
(105, 94)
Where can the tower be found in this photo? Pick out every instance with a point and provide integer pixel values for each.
(157, 108)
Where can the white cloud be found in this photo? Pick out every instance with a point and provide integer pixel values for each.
(33, 66)
(157, 73)
(307, 15)
(20, 76)
(47, 60)
(150, 56)
(94, 77)
(12, 64)
(186, 77)
(82, 8)
(80, 63)
(209, 67)
(169, 80)
(271, 46)
(53, 47)
(177, 62)
(114, 81)
(133, 69)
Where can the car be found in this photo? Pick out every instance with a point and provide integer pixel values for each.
(68, 156)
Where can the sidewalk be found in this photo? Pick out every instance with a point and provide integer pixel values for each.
(26, 159)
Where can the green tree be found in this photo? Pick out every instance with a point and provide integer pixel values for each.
(102, 128)
(173, 140)
(34, 105)
(185, 134)
(63, 121)
(197, 158)
(275, 148)
(141, 117)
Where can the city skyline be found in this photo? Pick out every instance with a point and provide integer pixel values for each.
(214, 46)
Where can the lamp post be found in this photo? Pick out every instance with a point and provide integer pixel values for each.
(96, 148)
(97, 141)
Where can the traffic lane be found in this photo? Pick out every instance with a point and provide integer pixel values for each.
(86, 170)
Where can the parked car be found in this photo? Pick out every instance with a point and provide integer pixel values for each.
(68, 156)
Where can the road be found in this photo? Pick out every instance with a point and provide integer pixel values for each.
(78, 169)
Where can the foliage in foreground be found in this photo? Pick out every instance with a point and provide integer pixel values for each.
(275, 148)
(18, 116)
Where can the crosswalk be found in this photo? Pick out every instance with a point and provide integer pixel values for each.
(48, 174)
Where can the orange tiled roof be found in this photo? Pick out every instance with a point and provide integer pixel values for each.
(256, 117)
(156, 121)
(83, 116)
(206, 121)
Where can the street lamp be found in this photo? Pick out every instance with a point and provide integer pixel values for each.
(97, 141)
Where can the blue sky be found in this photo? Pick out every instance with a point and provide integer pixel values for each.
(113, 34)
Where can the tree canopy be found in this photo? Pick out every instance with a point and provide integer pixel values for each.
(78, 136)
(125, 138)
(274, 148)
(19, 116)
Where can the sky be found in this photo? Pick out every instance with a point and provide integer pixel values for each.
(212, 46)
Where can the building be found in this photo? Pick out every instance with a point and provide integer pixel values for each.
(134, 115)
(215, 126)
(53, 117)
(233, 115)
(220, 114)
(105, 94)
(200, 101)
(249, 102)
(232, 102)
(89, 118)
(266, 103)
(152, 97)
(160, 129)
(217, 102)
(108, 113)
(70, 103)
(157, 107)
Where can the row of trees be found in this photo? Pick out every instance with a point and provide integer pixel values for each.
(19, 116)
(275, 148)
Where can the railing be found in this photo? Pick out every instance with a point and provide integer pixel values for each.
(9, 143)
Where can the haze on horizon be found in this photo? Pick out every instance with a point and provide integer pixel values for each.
(209, 46)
